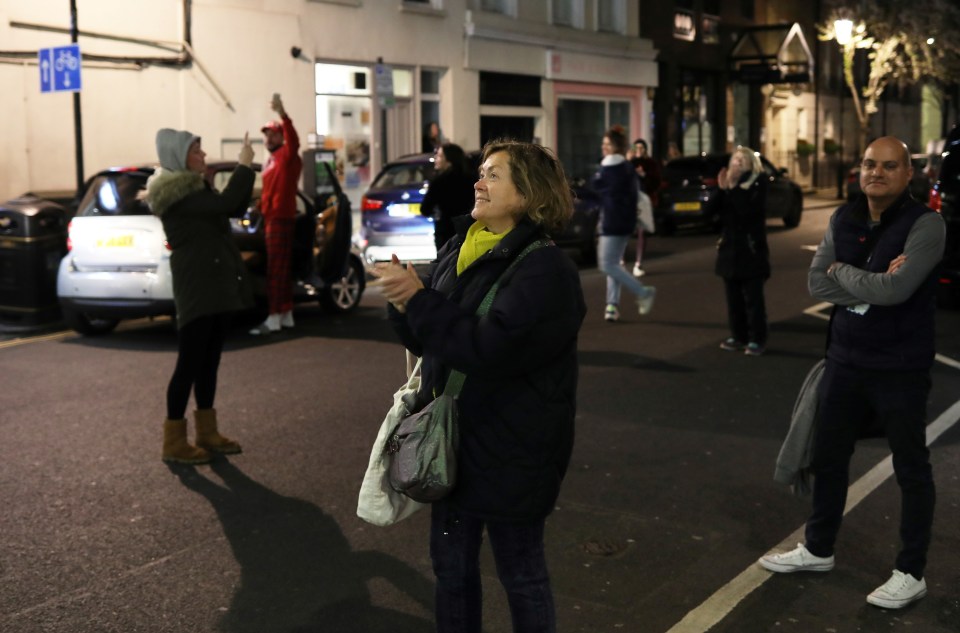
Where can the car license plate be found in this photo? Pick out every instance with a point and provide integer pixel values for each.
(686, 206)
(116, 241)
(403, 210)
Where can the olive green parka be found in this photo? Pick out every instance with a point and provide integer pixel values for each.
(209, 276)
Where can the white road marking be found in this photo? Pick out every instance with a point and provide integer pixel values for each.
(715, 608)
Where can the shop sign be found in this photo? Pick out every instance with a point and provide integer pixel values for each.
(684, 25)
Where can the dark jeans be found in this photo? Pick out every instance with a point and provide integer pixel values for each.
(199, 344)
(521, 566)
(746, 310)
(853, 400)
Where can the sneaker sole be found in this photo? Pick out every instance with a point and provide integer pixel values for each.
(789, 569)
(894, 604)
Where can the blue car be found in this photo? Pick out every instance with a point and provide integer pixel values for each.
(390, 219)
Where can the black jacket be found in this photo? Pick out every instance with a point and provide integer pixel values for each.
(518, 402)
(742, 251)
(449, 195)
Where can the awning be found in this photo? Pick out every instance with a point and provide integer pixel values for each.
(771, 54)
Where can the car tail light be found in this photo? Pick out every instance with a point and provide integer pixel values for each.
(710, 182)
(69, 241)
(370, 204)
(935, 202)
(945, 281)
(166, 245)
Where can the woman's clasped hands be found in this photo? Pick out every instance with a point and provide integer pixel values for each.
(396, 282)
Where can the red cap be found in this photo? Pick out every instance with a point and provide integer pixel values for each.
(272, 126)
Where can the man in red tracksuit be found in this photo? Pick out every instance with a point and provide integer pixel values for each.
(278, 204)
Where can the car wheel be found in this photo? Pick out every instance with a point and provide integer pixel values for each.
(792, 218)
(87, 325)
(343, 294)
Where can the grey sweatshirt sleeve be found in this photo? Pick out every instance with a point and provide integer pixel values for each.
(924, 249)
(821, 286)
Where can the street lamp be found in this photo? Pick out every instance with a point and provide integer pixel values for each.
(843, 32)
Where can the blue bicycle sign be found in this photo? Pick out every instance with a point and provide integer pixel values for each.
(60, 68)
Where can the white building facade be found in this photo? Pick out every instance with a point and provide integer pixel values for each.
(555, 71)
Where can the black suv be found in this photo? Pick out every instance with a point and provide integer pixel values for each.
(690, 183)
(945, 198)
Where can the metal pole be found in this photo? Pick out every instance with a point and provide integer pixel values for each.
(77, 119)
(840, 174)
(383, 127)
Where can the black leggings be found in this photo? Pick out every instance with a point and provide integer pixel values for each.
(198, 357)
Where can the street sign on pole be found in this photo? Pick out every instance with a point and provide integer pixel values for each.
(383, 75)
(60, 68)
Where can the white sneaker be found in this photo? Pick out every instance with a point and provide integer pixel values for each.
(272, 324)
(638, 271)
(645, 303)
(799, 559)
(286, 319)
(898, 592)
(611, 313)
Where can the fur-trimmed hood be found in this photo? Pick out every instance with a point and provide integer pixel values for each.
(166, 188)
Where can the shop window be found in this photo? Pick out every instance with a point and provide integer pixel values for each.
(567, 13)
(581, 124)
(436, 5)
(506, 7)
(429, 105)
(509, 90)
(402, 83)
(611, 16)
(699, 111)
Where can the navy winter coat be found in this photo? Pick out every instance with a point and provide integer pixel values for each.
(619, 189)
(518, 402)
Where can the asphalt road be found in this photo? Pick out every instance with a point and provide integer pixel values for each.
(668, 503)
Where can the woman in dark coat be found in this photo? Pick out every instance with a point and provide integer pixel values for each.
(518, 402)
(450, 192)
(743, 259)
(209, 282)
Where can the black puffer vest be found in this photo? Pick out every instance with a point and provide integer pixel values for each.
(897, 337)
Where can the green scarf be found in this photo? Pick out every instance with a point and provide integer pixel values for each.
(479, 240)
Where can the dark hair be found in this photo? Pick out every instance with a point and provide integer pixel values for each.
(640, 141)
(617, 138)
(455, 155)
(537, 174)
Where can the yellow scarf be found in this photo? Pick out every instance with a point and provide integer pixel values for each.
(479, 240)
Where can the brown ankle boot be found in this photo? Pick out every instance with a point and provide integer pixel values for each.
(175, 445)
(209, 438)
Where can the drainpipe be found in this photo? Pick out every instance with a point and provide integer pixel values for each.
(77, 119)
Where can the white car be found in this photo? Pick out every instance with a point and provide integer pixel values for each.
(117, 264)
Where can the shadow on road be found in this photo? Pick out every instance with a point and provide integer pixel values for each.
(298, 573)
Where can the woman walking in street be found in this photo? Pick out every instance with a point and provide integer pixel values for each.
(209, 282)
(619, 188)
